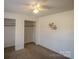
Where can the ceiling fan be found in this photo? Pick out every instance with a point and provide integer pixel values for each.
(38, 5)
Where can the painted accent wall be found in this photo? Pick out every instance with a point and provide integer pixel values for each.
(60, 40)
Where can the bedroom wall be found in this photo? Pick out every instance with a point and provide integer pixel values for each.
(19, 29)
(60, 40)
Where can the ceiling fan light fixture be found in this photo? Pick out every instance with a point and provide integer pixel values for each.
(35, 11)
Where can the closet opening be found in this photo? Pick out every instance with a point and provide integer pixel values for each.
(29, 32)
(9, 33)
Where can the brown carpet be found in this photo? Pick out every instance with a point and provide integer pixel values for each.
(31, 51)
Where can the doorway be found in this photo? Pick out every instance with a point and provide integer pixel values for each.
(29, 32)
(9, 33)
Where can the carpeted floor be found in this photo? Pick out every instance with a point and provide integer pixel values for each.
(31, 51)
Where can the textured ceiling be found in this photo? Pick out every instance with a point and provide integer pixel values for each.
(20, 6)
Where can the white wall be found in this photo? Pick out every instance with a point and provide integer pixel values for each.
(9, 36)
(60, 40)
(19, 29)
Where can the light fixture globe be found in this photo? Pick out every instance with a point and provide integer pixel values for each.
(35, 11)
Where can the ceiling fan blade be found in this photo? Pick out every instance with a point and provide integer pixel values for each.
(27, 7)
(47, 7)
(42, 0)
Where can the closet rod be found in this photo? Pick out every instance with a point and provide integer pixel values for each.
(9, 25)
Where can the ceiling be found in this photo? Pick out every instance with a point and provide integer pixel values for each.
(20, 6)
